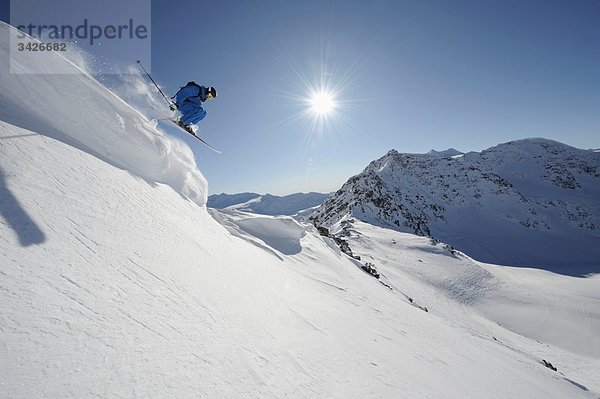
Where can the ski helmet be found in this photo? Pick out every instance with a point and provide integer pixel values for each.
(211, 92)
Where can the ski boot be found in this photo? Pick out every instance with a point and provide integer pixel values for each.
(186, 128)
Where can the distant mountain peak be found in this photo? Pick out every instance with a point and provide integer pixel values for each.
(450, 152)
(501, 205)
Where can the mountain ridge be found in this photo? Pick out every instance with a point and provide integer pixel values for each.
(535, 192)
(268, 204)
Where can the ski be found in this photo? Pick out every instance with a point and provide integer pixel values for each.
(176, 122)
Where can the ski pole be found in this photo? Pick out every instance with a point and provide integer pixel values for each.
(161, 92)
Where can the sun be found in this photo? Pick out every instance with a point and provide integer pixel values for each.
(322, 103)
(321, 95)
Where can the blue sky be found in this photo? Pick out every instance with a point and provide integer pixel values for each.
(409, 75)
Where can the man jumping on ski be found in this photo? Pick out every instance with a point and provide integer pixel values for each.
(188, 101)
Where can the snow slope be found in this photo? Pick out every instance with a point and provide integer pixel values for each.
(282, 234)
(533, 203)
(79, 111)
(134, 292)
(113, 284)
(534, 303)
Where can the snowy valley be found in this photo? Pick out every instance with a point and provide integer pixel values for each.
(116, 280)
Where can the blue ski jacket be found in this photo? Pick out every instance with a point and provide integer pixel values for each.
(189, 101)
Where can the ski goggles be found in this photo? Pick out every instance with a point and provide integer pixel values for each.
(210, 93)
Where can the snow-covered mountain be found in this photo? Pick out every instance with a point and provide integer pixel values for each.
(449, 153)
(267, 204)
(531, 202)
(220, 201)
(116, 281)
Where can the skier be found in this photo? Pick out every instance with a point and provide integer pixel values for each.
(189, 100)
